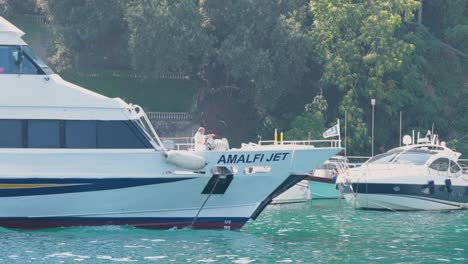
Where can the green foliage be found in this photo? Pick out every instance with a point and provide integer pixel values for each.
(93, 28)
(358, 141)
(259, 48)
(152, 94)
(15, 6)
(311, 123)
(360, 50)
(457, 36)
(166, 36)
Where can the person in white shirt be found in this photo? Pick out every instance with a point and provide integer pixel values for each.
(200, 139)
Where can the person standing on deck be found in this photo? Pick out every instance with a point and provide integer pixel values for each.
(200, 139)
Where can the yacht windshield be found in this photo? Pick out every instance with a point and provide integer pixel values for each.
(416, 157)
(21, 60)
(385, 157)
(31, 56)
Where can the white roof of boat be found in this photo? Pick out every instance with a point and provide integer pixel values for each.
(39, 96)
(10, 34)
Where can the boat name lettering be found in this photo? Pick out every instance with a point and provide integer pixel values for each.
(252, 158)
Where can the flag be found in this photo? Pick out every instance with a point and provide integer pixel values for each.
(333, 131)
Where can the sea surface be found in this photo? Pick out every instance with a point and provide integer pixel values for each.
(320, 231)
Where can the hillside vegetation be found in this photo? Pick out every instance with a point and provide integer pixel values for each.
(295, 65)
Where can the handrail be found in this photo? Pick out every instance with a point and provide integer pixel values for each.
(170, 116)
(333, 143)
(176, 138)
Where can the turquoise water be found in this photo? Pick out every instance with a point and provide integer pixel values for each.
(315, 232)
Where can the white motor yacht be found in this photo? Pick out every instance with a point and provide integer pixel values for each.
(423, 175)
(72, 157)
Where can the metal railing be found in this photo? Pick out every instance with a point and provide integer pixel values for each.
(169, 116)
(178, 143)
(316, 143)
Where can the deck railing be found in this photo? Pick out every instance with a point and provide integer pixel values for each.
(169, 116)
(178, 143)
(316, 143)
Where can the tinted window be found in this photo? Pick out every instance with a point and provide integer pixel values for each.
(80, 134)
(43, 134)
(385, 157)
(7, 62)
(414, 157)
(27, 67)
(11, 134)
(441, 164)
(454, 168)
(118, 134)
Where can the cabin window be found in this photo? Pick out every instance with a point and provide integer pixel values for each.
(28, 67)
(80, 134)
(385, 157)
(39, 66)
(7, 61)
(454, 167)
(441, 164)
(118, 134)
(72, 134)
(11, 134)
(21, 60)
(43, 134)
(415, 157)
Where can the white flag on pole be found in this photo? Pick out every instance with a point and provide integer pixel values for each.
(333, 131)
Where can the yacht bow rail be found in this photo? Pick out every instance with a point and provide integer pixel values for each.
(170, 116)
(316, 143)
(178, 143)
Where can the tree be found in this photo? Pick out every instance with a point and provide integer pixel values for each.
(310, 124)
(166, 36)
(360, 48)
(260, 54)
(91, 28)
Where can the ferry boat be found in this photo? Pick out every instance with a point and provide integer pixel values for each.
(423, 175)
(72, 157)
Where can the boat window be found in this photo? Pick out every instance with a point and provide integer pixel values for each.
(43, 134)
(454, 167)
(119, 134)
(385, 157)
(76, 134)
(7, 61)
(80, 134)
(30, 64)
(441, 164)
(30, 58)
(11, 134)
(414, 157)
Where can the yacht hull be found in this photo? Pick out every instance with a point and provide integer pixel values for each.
(405, 197)
(162, 202)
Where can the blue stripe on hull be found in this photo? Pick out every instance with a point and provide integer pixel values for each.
(459, 194)
(42, 186)
(231, 223)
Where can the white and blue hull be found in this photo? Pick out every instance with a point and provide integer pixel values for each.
(131, 187)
